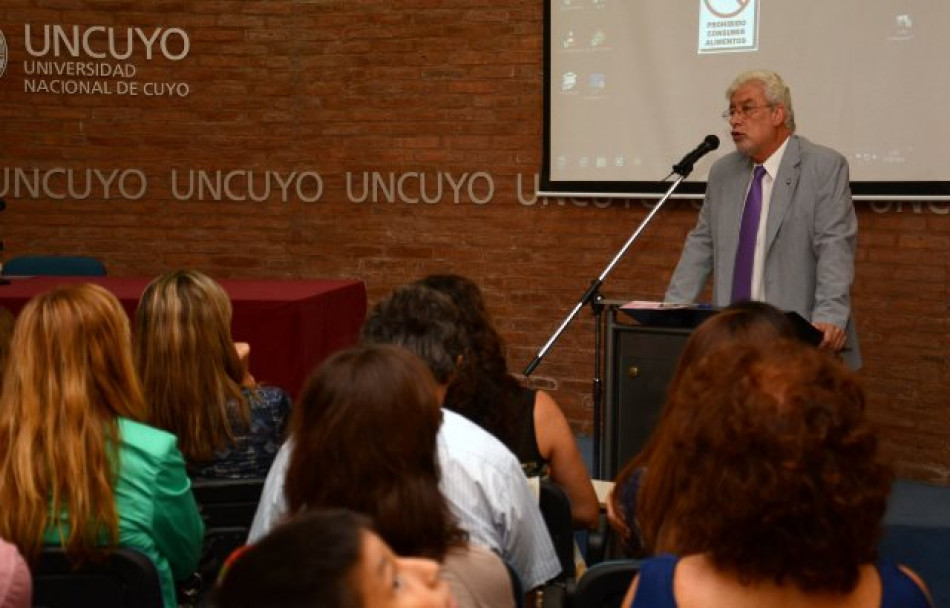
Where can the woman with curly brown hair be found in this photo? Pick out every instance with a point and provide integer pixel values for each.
(771, 494)
(748, 322)
(78, 468)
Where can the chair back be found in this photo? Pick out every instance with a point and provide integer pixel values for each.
(555, 508)
(54, 265)
(126, 578)
(604, 585)
(227, 503)
(227, 507)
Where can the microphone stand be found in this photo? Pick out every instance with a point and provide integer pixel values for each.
(593, 297)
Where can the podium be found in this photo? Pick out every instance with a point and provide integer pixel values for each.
(640, 361)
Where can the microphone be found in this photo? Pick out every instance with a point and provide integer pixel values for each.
(685, 166)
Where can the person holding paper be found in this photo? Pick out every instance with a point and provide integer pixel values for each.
(777, 223)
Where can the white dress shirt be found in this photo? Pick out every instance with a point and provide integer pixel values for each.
(485, 488)
(490, 496)
(771, 165)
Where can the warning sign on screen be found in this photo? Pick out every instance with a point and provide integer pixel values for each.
(728, 26)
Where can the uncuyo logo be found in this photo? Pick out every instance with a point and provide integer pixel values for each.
(3, 54)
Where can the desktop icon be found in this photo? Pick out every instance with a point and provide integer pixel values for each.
(568, 81)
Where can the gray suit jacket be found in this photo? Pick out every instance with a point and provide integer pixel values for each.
(810, 238)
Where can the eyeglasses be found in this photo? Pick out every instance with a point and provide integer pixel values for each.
(743, 112)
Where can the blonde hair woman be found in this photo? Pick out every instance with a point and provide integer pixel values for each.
(77, 469)
(196, 380)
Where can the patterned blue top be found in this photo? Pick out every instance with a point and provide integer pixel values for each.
(254, 449)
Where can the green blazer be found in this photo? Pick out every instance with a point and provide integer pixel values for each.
(157, 511)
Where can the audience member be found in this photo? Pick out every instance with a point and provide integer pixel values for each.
(363, 438)
(330, 559)
(750, 322)
(16, 586)
(197, 383)
(771, 494)
(529, 422)
(481, 478)
(77, 469)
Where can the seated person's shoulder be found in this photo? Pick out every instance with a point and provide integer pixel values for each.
(145, 437)
(461, 435)
(913, 596)
(267, 394)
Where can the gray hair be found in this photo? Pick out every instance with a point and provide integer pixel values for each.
(776, 91)
(424, 322)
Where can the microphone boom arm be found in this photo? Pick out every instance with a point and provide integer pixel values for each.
(596, 283)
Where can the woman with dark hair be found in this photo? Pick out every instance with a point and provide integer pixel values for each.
(197, 383)
(749, 322)
(528, 421)
(363, 437)
(771, 494)
(329, 559)
(78, 468)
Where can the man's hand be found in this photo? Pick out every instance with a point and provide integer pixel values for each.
(833, 337)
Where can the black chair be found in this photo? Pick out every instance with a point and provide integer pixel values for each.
(555, 508)
(227, 507)
(604, 585)
(227, 503)
(126, 578)
(54, 265)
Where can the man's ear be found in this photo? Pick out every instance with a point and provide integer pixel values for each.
(778, 116)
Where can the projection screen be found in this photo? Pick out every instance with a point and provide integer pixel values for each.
(633, 85)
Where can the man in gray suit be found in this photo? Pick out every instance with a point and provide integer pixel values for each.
(785, 234)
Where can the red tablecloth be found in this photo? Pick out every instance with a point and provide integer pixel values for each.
(291, 325)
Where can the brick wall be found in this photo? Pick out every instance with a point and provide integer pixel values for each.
(349, 111)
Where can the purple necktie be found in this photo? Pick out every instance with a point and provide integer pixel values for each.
(745, 252)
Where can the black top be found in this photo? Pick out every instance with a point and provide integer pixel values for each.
(526, 440)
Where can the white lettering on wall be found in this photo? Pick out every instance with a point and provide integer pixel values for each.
(303, 191)
(413, 187)
(243, 185)
(60, 183)
(934, 207)
(76, 41)
(489, 188)
(92, 69)
(166, 89)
